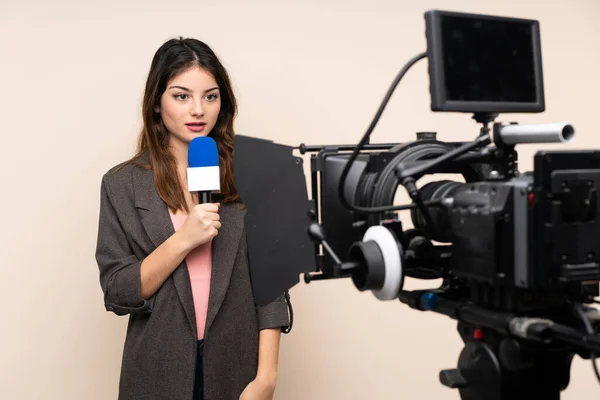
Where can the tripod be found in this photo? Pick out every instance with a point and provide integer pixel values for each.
(495, 367)
(506, 356)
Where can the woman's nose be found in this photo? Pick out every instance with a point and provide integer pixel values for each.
(196, 108)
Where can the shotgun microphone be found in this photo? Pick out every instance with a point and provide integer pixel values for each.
(203, 168)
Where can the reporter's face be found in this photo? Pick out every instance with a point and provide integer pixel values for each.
(190, 105)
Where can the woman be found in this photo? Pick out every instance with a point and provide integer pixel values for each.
(177, 268)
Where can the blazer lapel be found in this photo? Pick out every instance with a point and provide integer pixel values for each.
(159, 227)
(225, 249)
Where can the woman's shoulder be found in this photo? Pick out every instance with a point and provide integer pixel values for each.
(121, 175)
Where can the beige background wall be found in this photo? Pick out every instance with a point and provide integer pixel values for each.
(71, 78)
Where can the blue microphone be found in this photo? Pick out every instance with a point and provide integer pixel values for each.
(203, 167)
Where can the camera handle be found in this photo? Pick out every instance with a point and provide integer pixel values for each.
(341, 269)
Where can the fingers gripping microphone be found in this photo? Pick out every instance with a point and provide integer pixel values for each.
(203, 168)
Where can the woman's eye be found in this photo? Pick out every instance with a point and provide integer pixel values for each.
(212, 97)
(181, 96)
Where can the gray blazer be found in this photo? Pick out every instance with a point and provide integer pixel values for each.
(159, 355)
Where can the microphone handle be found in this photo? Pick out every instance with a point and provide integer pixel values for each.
(204, 197)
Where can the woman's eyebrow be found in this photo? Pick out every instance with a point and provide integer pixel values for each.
(188, 90)
(211, 89)
(179, 87)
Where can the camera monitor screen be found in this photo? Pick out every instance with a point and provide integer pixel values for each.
(484, 64)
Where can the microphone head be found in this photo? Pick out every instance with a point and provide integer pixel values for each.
(203, 165)
(202, 152)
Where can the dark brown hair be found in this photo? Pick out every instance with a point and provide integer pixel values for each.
(172, 58)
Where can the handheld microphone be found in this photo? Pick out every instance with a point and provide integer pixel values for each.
(203, 168)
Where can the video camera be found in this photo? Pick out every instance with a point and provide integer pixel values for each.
(518, 253)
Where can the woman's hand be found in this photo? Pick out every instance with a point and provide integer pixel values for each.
(261, 388)
(201, 226)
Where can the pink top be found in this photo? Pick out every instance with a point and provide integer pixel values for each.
(199, 263)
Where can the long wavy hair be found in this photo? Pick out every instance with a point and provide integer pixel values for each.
(172, 58)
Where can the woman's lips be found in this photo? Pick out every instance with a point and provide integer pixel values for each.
(196, 127)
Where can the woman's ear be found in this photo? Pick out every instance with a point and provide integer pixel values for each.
(157, 109)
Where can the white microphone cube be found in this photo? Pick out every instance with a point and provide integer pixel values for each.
(204, 179)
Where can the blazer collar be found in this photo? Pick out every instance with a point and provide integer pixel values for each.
(159, 227)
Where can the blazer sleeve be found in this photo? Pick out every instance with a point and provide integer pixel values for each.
(274, 314)
(119, 267)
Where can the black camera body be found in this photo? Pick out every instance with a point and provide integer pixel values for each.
(518, 253)
(518, 241)
(536, 231)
